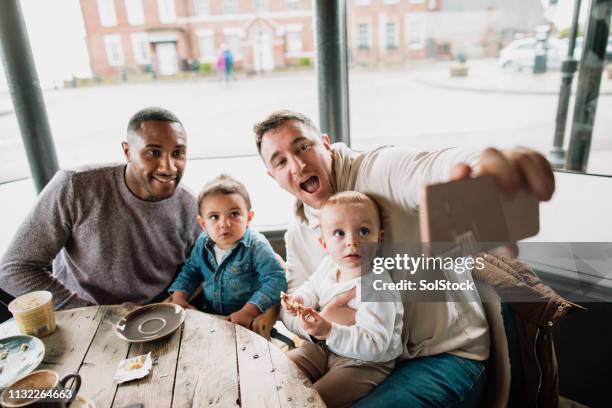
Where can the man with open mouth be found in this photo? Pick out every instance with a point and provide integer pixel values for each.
(110, 233)
(445, 343)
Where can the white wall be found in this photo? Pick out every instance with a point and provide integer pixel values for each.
(580, 211)
(579, 219)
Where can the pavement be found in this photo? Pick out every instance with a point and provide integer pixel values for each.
(6, 105)
(481, 78)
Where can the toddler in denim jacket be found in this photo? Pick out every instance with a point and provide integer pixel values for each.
(239, 272)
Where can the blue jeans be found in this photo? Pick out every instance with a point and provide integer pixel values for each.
(443, 380)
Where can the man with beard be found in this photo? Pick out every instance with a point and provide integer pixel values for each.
(107, 234)
(445, 344)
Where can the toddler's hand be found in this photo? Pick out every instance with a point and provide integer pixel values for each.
(180, 298)
(245, 316)
(315, 324)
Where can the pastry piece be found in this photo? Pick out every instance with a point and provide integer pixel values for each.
(138, 362)
(296, 306)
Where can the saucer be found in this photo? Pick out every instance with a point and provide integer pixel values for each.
(19, 363)
(151, 322)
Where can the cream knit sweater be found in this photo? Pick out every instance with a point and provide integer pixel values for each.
(394, 177)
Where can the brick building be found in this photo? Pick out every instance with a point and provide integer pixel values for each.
(169, 36)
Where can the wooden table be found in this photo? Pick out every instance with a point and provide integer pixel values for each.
(208, 362)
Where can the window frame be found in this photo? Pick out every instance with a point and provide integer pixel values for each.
(421, 23)
(107, 13)
(207, 35)
(261, 6)
(293, 5)
(368, 36)
(201, 8)
(134, 11)
(168, 15)
(395, 43)
(109, 41)
(231, 7)
(137, 41)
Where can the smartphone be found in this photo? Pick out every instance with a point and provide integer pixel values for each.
(475, 212)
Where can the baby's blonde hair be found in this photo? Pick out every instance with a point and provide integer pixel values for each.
(354, 197)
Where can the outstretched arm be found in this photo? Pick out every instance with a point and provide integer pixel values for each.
(514, 169)
(406, 171)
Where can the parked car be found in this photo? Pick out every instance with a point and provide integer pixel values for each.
(578, 48)
(520, 54)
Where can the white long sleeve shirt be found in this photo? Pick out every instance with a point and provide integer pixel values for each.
(394, 177)
(376, 334)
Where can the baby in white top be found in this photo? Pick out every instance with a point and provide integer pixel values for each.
(352, 344)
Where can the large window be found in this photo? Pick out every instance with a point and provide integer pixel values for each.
(107, 13)
(167, 11)
(399, 96)
(141, 48)
(135, 13)
(114, 49)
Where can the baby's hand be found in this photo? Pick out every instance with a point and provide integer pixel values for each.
(245, 316)
(241, 318)
(315, 324)
(291, 304)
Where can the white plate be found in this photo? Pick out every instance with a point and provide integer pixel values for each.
(19, 363)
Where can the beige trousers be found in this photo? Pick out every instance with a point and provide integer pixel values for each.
(339, 380)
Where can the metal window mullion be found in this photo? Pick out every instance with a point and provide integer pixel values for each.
(332, 69)
(589, 79)
(26, 94)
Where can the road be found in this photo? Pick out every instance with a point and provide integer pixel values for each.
(386, 106)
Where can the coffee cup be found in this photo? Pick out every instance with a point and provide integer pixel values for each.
(33, 313)
(82, 402)
(41, 389)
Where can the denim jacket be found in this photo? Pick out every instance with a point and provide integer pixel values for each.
(251, 273)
